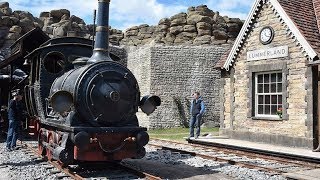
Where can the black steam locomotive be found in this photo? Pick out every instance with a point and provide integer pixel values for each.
(82, 104)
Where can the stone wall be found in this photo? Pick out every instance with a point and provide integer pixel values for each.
(140, 65)
(292, 129)
(199, 25)
(225, 104)
(173, 73)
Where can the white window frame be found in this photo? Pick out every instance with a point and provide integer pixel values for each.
(257, 94)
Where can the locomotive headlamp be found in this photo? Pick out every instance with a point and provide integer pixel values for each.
(149, 103)
(61, 101)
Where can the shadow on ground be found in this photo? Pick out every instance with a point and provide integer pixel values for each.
(175, 169)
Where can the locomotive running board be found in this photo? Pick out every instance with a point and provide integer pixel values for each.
(95, 129)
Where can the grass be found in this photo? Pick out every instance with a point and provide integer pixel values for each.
(178, 134)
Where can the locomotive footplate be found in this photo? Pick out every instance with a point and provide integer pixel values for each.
(95, 129)
(108, 129)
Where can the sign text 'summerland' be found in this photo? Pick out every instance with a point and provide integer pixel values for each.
(276, 52)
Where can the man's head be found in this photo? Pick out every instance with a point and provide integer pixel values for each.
(17, 94)
(196, 95)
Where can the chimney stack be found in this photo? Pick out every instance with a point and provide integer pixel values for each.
(101, 46)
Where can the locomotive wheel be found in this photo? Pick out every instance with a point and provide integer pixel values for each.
(50, 141)
(41, 149)
(37, 126)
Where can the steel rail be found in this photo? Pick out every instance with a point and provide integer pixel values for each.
(252, 154)
(75, 175)
(235, 152)
(65, 170)
(284, 156)
(220, 159)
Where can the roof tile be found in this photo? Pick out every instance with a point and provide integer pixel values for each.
(304, 13)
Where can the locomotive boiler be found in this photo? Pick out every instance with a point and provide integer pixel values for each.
(82, 104)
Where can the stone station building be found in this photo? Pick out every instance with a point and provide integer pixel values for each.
(271, 75)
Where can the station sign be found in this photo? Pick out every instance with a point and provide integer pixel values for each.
(269, 53)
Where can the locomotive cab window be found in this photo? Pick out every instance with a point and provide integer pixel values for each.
(54, 62)
(268, 94)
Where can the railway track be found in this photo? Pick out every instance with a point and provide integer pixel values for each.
(252, 160)
(260, 151)
(87, 170)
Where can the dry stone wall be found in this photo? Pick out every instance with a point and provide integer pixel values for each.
(198, 26)
(139, 64)
(173, 73)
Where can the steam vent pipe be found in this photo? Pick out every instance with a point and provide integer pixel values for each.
(101, 45)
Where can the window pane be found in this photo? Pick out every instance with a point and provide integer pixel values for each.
(260, 109)
(279, 99)
(266, 78)
(267, 109)
(274, 99)
(260, 88)
(274, 109)
(266, 88)
(274, 77)
(260, 99)
(273, 87)
(260, 78)
(279, 87)
(267, 101)
(279, 77)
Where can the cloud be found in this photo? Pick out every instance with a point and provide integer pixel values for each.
(231, 8)
(141, 11)
(123, 13)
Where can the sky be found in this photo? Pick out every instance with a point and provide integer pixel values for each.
(128, 13)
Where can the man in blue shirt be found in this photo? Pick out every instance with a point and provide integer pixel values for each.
(197, 109)
(15, 118)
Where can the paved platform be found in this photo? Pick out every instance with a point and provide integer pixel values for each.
(313, 174)
(267, 149)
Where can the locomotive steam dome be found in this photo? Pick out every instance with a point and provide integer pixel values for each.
(105, 92)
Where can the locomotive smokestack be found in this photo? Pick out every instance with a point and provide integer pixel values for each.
(101, 45)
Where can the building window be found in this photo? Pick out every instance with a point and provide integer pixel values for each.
(268, 94)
